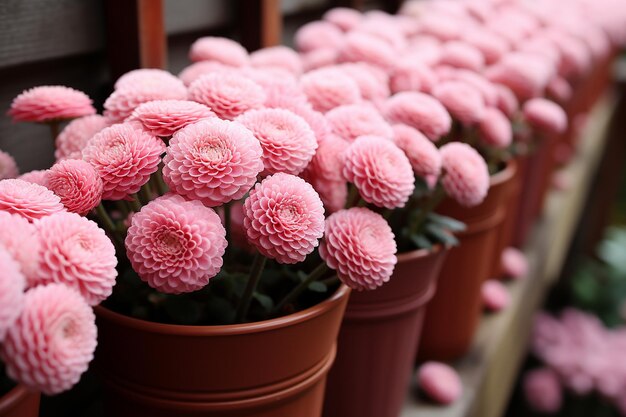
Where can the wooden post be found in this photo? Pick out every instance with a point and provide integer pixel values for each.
(260, 23)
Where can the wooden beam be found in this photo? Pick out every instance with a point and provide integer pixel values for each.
(261, 25)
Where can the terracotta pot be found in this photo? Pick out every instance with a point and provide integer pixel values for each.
(511, 195)
(20, 402)
(453, 314)
(378, 338)
(271, 368)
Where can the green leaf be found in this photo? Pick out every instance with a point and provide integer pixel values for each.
(441, 235)
(448, 223)
(266, 302)
(317, 286)
(421, 241)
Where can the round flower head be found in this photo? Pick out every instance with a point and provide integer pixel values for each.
(327, 88)
(327, 163)
(145, 76)
(495, 295)
(360, 246)
(543, 390)
(222, 50)
(354, 120)
(422, 153)
(318, 58)
(514, 263)
(491, 45)
(77, 183)
(196, 70)
(284, 218)
(364, 47)
(214, 161)
(334, 194)
(50, 103)
(318, 35)
(19, 238)
(39, 177)
(176, 245)
(410, 75)
(227, 94)
(462, 55)
(466, 177)
(12, 285)
(52, 342)
(165, 117)
(525, 74)
(506, 100)
(287, 140)
(441, 26)
(8, 167)
(373, 82)
(380, 171)
(31, 201)
(343, 17)
(495, 128)
(464, 102)
(559, 89)
(278, 57)
(486, 88)
(439, 382)
(419, 111)
(73, 138)
(281, 89)
(124, 157)
(545, 116)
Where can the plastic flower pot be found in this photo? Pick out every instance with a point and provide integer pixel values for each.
(378, 338)
(20, 402)
(271, 368)
(453, 314)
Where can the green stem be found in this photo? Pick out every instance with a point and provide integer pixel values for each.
(123, 207)
(159, 183)
(227, 220)
(54, 129)
(330, 281)
(145, 194)
(134, 203)
(105, 218)
(353, 196)
(317, 273)
(255, 275)
(431, 204)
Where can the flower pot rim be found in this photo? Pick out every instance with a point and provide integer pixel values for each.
(225, 329)
(14, 396)
(419, 253)
(505, 174)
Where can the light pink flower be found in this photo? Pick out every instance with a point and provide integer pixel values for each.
(380, 171)
(145, 76)
(464, 102)
(384, 29)
(327, 88)
(486, 88)
(514, 263)
(214, 161)
(73, 138)
(495, 295)
(8, 166)
(364, 47)
(420, 111)
(543, 390)
(373, 82)
(31, 201)
(354, 120)
(222, 50)
(462, 55)
(495, 129)
(545, 116)
(576, 58)
(343, 17)
(422, 153)
(360, 246)
(50, 103)
(318, 58)
(124, 157)
(334, 194)
(527, 75)
(52, 342)
(77, 183)
(287, 140)
(196, 70)
(506, 100)
(39, 177)
(176, 245)
(559, 89)
(411, 75)
(20, 239)
(284, 218)
(491, 45)
(12, 284)
(440, 25)
(165, 117)
(440, 382)
(318, 35)
(327, 162)
(278, 57)
(466, 177)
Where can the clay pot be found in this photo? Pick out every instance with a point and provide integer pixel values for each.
(271, 368)
(512, 190)
(378, 338)
(20, 402)
(452, 315)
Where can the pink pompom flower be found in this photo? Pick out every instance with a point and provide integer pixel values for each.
(53, 340)
(495, 129)
(164, 117)
(145, 76)
(514, 263)
(318, 35)
(223, 50)
(491, 45)
(354, 120)
(31, 201)
(543, 390)
(20, 239)
(526, 74)
(334, 194)
(318, 58)
(8, 166)
(214, 161)
(328, 160)
(77, 183)
(422, 153)
(12, 284)
(343, 17)
(39, 177)
(176, 245)
(380, 171)
(506, 101)
(327, 88)
(495, 295)
(545, 116)
(372, 81)
(420, 111)
(368, 48)
(411, 75)
(360, 246)
(559, 89)
(466, 176)
(462, 55)
(196, 70)
(278, 57)
(464, 102)
(50, 103)
(440, 382)
(284, 218)
(73, 138)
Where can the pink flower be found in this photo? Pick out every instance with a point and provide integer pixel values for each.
(222, 50)
(124, 157)
(373, 82)
(31, 201)
(318, 35)
(227, 94)
(545, 116)
(19, 238)
(365, 47)
(495, 128)
(343, 17)
(441, 26)
(462, 55)
(411, 75)
(8, 166)
(491, 45)
(419, 111)
(12, 285)
(559, 89)
(514, 263)
(176, 245)
(50, 103)
(145, 76)
(543, 390)
(486, 88)
(360, 246)
(77, 183)
(334, 194)
(495, 295)
(422, 153)
(439, 382)
(527, 75)
(278, 57)
(354, 120)
(506, 100)
(464, 102)
(214, 161)
(466, 177)
(318, 58)
(327, 162)
(380, 171)
(165, 117)
(327, 88)
(52, 342)
(284, 218)
(196, 70)
(287, 140)
(73, 138)
(39, 177)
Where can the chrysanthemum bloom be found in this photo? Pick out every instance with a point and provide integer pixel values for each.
(279, 57)
(495, 128)
(462, 55)
(222, 50)
(73, 138)
(525, 74)
(423, 48)
(124, 157)
(343, 17)
(364, 47)
(486, 88)
(165, 117)
(196, 70)
(466, 177)
(328, 160)
(441, 25)
(20, 239)
(214, 161)
(287, 140)
(8, 166)
(385, 30)
(495, 295)
(410, 75)
(52, 342)
(36, 177)
(545, 116)
(354, 120)
(514, 263)
(327, 88)
(507, 101)
(559, 89)
(227, 94)
(318, 35)
(12, 284)
(420, 111)
(334, 194)
(380, 171)
(464, 102)
(491, 45)
(318, 58)
(360, 246)
(50, 103)
(77, 183)
(176, 245)
(282, 90)
(439, 382)
(422, 153)
(143, 76)
(373, 82)
(543, 390)
(31, 201)
(576, 58)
